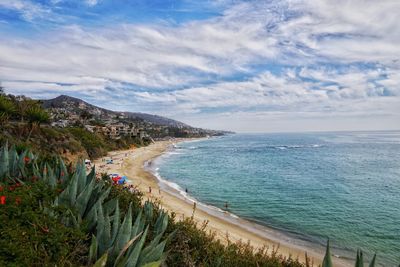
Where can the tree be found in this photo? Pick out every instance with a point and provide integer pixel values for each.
(1, 90)
(23, 105)
(36, 115)
(7, 108)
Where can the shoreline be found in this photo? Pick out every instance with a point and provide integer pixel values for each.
(135, 164)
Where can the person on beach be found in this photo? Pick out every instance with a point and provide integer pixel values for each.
(150, 189)
(186, 190)
(226, 205)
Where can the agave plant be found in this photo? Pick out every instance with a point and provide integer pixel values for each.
(114, 243)
(14, 166)
(124, 242)
(327, 262)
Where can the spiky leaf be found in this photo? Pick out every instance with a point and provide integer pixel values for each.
(372, 263)
(134, 254)
(102, 261)
(93, 249)
(327, 262)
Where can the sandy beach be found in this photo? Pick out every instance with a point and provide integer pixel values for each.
(131, 164)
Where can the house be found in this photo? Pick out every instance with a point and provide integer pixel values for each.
(60, 123)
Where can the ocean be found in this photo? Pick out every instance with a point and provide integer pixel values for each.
(344, 186)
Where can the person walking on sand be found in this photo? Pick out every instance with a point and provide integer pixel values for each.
(226, 205)
(150, 189)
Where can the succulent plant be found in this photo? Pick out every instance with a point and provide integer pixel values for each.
(327, 262)
(84, 198)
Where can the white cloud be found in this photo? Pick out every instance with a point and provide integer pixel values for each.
(91, 2)
(341, 57)
(29, 10)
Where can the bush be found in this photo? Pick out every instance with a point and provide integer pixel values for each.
(93, 143)
(30, 237)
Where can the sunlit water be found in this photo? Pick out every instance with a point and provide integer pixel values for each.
(345, 186)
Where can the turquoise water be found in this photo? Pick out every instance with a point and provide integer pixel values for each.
(345, 186)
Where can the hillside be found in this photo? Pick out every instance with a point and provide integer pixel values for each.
(77, 106)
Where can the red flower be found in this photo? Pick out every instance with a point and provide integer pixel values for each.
(17, 200)
(27, 159)
(2, 200)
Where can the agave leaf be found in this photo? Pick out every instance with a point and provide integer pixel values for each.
(151, 246)
(4, 161)
(36, 171)
(21, 164)
(133, 257)
(359, 259)
(91, 176)
(83, 198)
(102, 261)
(106, 235)
(148, 211)
(124, 233)
(91, 218)
(327, 262)
(110, 206)
(51, 177)
(153, 264)
(44, 172)
(372, 263)
(13, 161)
(119, 260)
(31, 156)
(116, 223)
(161, 223)
(93, 249)
(153, 255)
(100, 222)
(94, 197)
(73, 189)
(81, 174)
(99, 200)
(63, 170)
(74, 220)
(137, 225)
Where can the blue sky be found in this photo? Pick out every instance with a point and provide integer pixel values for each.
(247, 66)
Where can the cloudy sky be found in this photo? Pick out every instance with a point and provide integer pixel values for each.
(247, 66)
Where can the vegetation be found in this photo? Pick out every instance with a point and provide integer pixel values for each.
(68, 206)
(327, 262)
(97, 145)
(7, 109)
(25, 123)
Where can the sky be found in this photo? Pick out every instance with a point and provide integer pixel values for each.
(245, 66)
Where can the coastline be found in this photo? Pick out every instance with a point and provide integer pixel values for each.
(135, 165)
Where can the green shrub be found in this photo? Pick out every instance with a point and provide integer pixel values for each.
(30, 237)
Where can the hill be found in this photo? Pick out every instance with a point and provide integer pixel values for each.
(77, 106)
